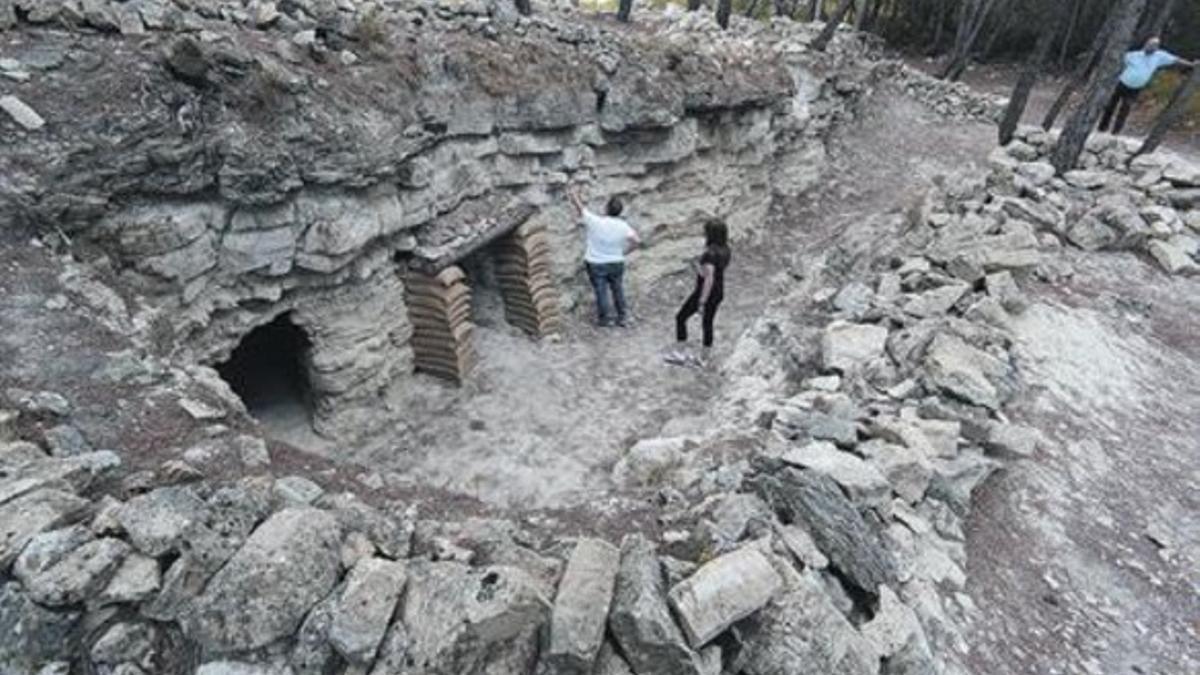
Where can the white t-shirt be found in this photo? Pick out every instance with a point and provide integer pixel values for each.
(607, 238)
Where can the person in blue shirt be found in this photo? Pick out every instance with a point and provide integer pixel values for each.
(1140, 67)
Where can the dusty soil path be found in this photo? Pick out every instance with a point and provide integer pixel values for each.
(543, 423)
(1087, 557)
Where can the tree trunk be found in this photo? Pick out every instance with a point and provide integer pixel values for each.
(1083, 72)
(939, 29)
(724, 7)
(1028, 78)
(782, 8)
(831, 26)
(1066, 43)
(751, 7)
(860, 13)
(524, 7)
(814, 10)
(1172, 114)
(624, 9)
(1077, 129)
(693, 5)
(1159, 23)
(971, 20)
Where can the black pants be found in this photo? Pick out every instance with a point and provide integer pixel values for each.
(1123, 98)
(689, 309)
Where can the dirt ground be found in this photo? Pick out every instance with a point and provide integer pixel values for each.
(1085, 559)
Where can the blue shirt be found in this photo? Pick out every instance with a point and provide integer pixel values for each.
(1140, 66)
(606, 238)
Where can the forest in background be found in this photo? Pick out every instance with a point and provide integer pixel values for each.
(959, 34)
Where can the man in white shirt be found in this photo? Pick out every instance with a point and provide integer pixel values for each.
(609, 238)
(1140, 67)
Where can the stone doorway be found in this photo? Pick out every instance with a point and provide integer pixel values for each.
(269, 371)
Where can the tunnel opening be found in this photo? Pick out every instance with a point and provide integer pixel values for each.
(268, 370)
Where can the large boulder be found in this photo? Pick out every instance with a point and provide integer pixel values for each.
(461, 620)
(837, 527)
(262, 594)
(722, 592)
(640, 619)
(581, 607)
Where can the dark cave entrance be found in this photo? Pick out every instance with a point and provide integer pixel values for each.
(269, 371)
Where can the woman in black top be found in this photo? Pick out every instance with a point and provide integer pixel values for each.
(710, 283)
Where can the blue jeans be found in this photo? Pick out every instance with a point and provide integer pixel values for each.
(608, 277)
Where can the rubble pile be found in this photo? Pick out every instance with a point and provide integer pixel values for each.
(1116, 200)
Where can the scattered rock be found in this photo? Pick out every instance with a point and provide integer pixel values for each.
(967, 373)
(297, 491)
(846, 347)
(81, 574)
(865, 485)
(581, 607)
(640, 619)
(30, 514)
(261, 595)
(835, 524)
(21, 113)
(722, 592)
(801, 632)
(361, 616)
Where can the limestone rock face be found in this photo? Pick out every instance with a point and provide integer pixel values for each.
(640, 619)
(263, 592)
(581, 607)
(722, 592)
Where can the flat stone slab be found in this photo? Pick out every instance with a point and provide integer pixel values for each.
(641, 620)
(723, 592)
(31, 514)
(863, 483)
(361, 616)
(846, 346)
(581, 606)
(263, 593)
(21, 113)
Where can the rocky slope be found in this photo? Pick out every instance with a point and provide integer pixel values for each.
(814, 524)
